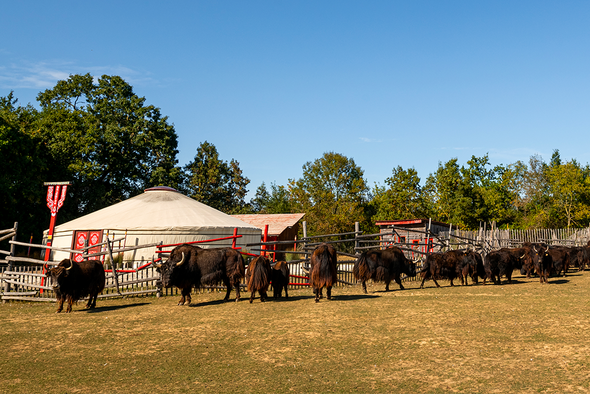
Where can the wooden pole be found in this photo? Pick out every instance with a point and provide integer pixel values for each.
(113, 265)
(10, 263)
(357, 229)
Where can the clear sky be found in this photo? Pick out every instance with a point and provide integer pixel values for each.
(275, 84)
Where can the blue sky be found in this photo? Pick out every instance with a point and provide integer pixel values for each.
(275, 84)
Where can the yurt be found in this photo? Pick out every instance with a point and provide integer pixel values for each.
(159, 215)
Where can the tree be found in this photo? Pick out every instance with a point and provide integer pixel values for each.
(403, 199)
(468, 195)
(277, 201)
(443, 190)
(333, 194)
(214, 182)
(106, 140)
(24, 166)
(569, 188)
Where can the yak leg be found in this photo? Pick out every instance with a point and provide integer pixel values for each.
(329, 292)
(237, 286)
(252, 296)
(399, 282)
(423, 280)
(185, 298)
(69, 301)
(60, 304)
(316, 291)
(263, 295)
(228, 286)
(364, 283)
(435, 282)
(92, 300)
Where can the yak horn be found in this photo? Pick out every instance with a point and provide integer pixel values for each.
(523, 256)
(181, 262)
(71, 265)
(157, 265)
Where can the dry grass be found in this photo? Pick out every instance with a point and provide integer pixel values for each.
(525, 337)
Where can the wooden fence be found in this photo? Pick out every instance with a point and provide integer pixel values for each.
(23, 278)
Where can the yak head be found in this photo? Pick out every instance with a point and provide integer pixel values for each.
(410, 268)
(171, 270)
(59, 273)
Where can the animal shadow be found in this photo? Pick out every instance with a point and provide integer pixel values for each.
(352, 297)
(100, 309)
(558, 281)
(212, 302)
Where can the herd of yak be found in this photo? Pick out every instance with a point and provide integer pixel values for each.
(190, 266)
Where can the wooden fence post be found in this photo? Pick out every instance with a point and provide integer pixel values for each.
(10, 263)
(357, 229)
(114, 268)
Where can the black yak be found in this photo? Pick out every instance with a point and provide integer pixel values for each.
(73, 281)
(190, 265)
(542, 263)
(258, 277)
(323, 270)
(383, 266)
(280, 279)
(439, 266)
(501, 262)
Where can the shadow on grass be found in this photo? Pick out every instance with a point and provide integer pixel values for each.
(213, 302)
(558, 281)
(100, 309)
(351, 297)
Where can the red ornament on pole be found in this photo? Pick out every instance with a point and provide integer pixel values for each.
(54, 203)
(55, 200)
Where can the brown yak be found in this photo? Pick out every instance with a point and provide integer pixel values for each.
(323, 270)
(258, 277)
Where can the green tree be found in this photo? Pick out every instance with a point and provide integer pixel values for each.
(277, 201)
(106, 140)
(333, 194)
(443, 190)
(569, 188)
(534, 202)
(215, 182)
(24, 165)
(475, 193)
(402, 199)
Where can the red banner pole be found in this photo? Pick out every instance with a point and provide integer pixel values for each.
(264, 239)
(54, 203)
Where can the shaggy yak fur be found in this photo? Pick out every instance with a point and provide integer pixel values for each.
(542, 263)
(280, 279)
(383, 266)
(323, 271)
(258, 277)
(467, 264)
(561, 260)
(72, 281)
(439, 266)
(501, 262)
(191, 266)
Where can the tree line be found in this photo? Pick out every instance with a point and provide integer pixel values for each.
(98, 134)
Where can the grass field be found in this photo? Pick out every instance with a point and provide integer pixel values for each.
(524, 337)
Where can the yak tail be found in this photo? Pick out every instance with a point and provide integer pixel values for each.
(258, 274)
(324, 271)
(361, 269)
(235, 265)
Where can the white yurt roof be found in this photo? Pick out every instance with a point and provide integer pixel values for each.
(157, 209)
